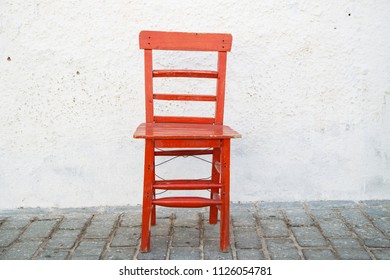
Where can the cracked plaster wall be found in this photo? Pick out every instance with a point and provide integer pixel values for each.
(308, 87)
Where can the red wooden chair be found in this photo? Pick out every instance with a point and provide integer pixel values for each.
(186, 134)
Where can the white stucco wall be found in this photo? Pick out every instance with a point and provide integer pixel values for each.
(308, 88)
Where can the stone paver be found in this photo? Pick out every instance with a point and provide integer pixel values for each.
(265, 230)
(89, 250)
(242, 218)
(158, 249)
(274, 228)
(246, 238)
(270, 213)
(52, 254)
(382, 254)
(354, 217)
(250, 254)
(73, 222)
(349, 249)
(39, 229)
(122, 253)
(309, 236)
(282, 249)
(185, 253)
(186, 237)
(211, 251)
(334, 228)
(126, 236)
(22, 250)
(318, 254)
(298, 217)
(16, 222)
(7, 236)
(331, 204)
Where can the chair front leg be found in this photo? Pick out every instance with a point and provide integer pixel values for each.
(225, 196)
(215, 178)
(147, 196)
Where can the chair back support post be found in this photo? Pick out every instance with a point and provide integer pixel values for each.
(219, 106)
(149, 86)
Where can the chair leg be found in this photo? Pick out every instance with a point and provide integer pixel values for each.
(147, 196)
(215, 178)
(154, 210)
(225, 196)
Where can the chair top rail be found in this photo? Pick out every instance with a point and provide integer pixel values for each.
(185, 41)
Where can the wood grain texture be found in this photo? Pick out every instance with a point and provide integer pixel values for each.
(179, 73)
(160, 40)
(184, 131)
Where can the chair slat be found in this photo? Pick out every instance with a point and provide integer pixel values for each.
(193, 185)
(185, 74)
(183, 152)
(160, 40)
(181, 119)
(191, 202)
(187, 143)
(184, 97)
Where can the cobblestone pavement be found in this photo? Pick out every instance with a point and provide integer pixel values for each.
(323, 230)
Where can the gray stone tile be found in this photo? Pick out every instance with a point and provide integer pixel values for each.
(318, 254)
(282, 249)
(324, 214)
(281, 205)
(298, 217)
(186, 237)
(126, 236)
(353, 254)
(162, 227)
(212, 231)
(107, 219)
(7, 236)
(212, 252)
(349, 249)
(330, 204)
(377, 213)
(158, 249)
(243, 218)
(74, 222)
(131, 220)
(381, 254)
(246, 238)
(97, 231)
(39, 229)
(274, 228)
(371, 236)
(185, 253)
(16, 222)
(250, 254)
(101, 225)
(309, 236)
(270, 213)
(120, 253)
(52, 254)
(384, 225)
(384, 202)
(187, 218)
(23, 250)
(334, 228)
(354, 217)
(89, 250)
(63, 239)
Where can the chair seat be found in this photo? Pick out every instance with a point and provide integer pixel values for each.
(184, 131)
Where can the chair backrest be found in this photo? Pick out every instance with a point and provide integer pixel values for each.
(183, 41)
